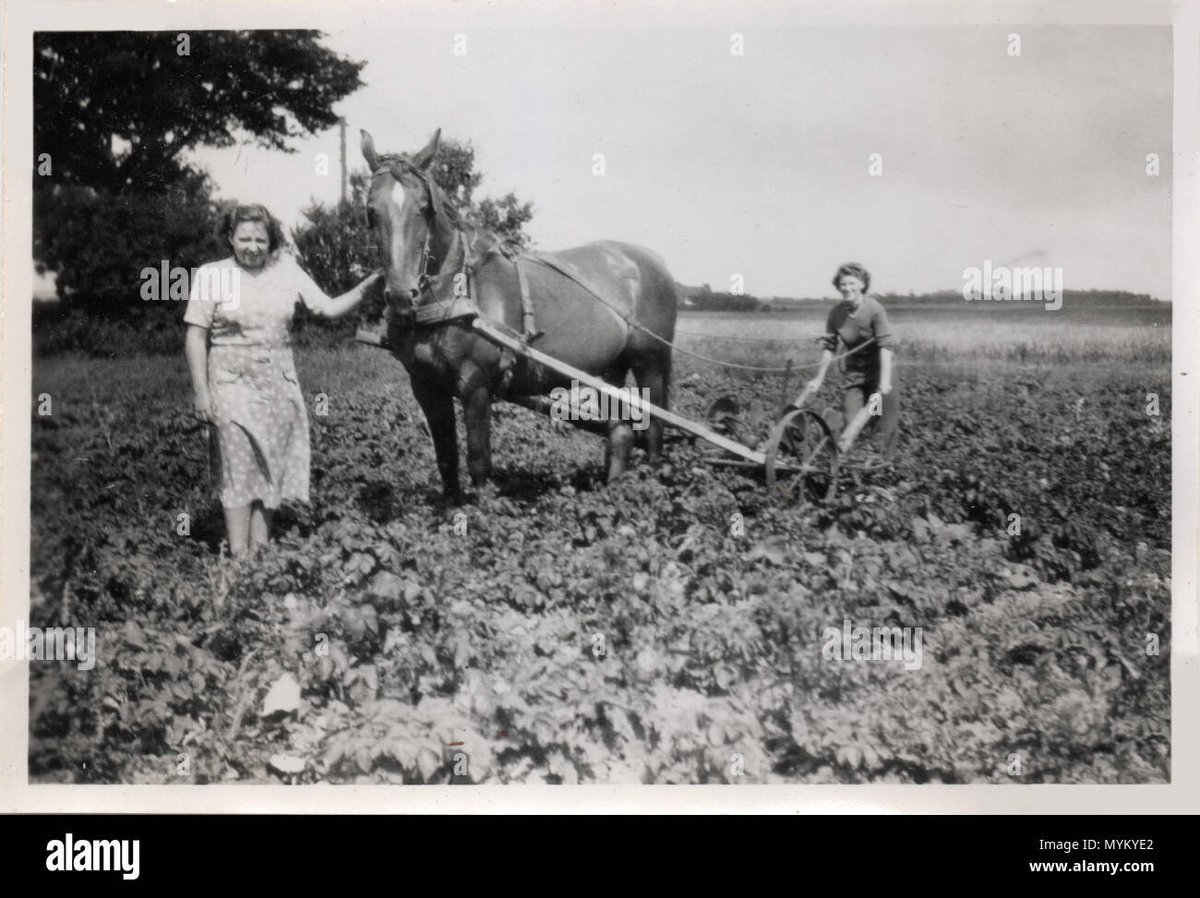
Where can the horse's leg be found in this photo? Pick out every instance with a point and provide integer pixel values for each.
(653, 373)
(476, 398)
(438, 406)
(620, 434)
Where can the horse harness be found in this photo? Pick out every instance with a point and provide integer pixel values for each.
(462, 305)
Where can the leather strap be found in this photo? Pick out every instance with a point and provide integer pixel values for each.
(545, 260)
(526, 302)
(445, 310)
(570, 275)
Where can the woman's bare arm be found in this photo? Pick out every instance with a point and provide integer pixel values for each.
(341, 305)
(195, 348)
(818, 379)
(885, 371)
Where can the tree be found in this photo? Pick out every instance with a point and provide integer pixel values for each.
(116, 109)
(507, 216)
(102, 242)
(114, 113)
(454, 170)
(337, 248)
(334, 243)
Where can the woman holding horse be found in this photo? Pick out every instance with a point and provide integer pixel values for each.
(238, 351)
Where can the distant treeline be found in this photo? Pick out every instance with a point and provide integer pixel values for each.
(704, 299)
(954, 297)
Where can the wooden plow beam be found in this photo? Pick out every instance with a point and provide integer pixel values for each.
(509, 339)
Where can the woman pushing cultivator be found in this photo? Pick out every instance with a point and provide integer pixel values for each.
(860, 324)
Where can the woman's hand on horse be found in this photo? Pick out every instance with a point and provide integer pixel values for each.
(366, 285)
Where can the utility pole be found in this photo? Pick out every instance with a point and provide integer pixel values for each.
(342, 129)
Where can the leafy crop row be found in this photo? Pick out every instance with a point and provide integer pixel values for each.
(667, 628)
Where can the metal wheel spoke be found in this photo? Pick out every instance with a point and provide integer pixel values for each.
(802, 458)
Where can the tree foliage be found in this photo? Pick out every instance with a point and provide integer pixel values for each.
(455, 171)
(115, 113)
(507, 216)
(117, 110)
(334, 243)
(99, 242)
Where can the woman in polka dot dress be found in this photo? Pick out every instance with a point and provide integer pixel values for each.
(239, 354)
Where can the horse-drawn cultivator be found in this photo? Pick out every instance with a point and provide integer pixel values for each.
(800, 457)
(465, 312)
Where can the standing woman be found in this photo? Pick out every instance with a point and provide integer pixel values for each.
(239, 354)
(861, 325)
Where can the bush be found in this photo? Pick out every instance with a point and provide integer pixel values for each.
(99, 243)
(334, 243)
(335, 246)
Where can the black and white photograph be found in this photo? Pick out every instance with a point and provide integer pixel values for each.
(420, 397)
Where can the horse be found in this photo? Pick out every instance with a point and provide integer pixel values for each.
(606, 308)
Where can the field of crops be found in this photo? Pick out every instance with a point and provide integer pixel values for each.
(668, 628)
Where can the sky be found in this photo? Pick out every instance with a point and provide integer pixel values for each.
(759, 165)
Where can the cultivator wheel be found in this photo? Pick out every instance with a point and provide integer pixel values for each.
(802, 458)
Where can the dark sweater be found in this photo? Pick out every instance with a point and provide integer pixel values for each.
(855, 330)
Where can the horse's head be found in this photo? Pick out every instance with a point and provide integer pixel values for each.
(403, 210)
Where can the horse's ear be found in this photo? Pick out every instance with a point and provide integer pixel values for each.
(424, 159)
(368, 150)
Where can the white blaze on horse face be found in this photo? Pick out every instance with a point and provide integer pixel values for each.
(404, 283)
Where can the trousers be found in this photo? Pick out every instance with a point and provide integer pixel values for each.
(884, 428)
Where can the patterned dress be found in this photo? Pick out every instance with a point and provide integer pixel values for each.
(262, 438)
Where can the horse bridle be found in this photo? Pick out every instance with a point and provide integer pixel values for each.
(424, 278)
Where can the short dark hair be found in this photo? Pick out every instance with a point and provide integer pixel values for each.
(235, 215)
(853, 268)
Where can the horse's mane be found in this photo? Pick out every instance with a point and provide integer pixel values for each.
(398, 163)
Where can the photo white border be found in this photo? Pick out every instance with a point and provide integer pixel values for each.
(21, 18)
